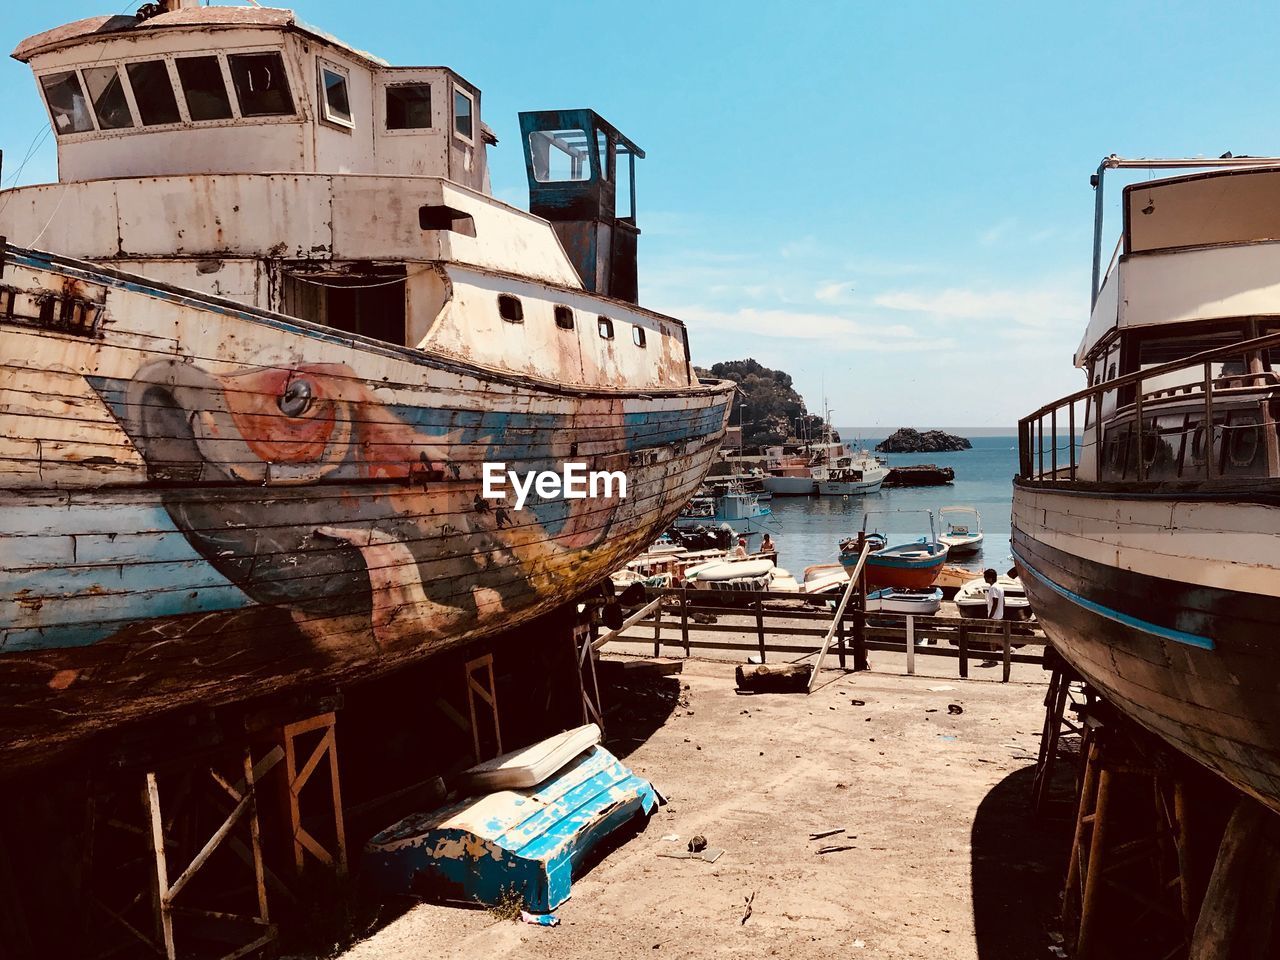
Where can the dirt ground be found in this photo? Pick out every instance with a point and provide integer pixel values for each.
(940, 856)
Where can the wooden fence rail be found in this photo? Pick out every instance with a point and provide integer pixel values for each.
(670, 610)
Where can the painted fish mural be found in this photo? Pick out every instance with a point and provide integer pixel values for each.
(234, 526)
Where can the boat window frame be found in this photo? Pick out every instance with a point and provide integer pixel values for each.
(135, 121)
(560, 311)
(386, 130)
(88, 107)
(227, 87)
(237, 118)
(604, 327)
(638, 336)
(460, 91)
(297, 115)
(179, 102)
(322, 93)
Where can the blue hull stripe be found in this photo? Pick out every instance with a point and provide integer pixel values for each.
(1165, 633)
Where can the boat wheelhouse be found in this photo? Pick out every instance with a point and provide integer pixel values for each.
(1146, 514)
(260, 339)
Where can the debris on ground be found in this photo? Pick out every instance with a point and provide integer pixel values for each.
(539, 919)
(955, 709)
(826, 833)
(773, 678)
(746, 915)
(834, 849)
(698, 844)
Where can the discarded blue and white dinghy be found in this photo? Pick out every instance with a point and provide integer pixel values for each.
(529, 840)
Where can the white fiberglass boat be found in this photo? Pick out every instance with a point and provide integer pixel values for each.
(961, 530)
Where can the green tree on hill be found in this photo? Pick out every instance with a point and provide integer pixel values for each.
(767, 404)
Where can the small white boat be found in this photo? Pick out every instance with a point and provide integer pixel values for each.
(971, 600)
(916, 602)
(851, 476)
(961, 530)
(736, 509)
(755, 574)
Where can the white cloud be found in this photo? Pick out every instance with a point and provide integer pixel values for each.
(834, 292)
(835, 332)
(1046, 306)
(998, 231)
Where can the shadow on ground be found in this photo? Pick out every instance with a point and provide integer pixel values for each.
(635, 707)
(1017, 869)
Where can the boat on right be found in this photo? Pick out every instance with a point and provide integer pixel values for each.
(1146, 511)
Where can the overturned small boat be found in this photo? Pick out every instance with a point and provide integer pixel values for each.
(253, 393)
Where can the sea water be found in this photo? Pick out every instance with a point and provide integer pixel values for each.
(808, 529)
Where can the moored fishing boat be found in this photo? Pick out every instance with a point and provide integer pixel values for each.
(1147, 540)
(851, 476)
(920, 603)
(905, 566)
(251, 400)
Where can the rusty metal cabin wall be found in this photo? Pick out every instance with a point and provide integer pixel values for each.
(420, 152)
(231, 146)
(294, 217)
(338, 148)
(470, 328)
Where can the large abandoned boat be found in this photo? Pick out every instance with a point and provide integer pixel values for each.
(1149, 543)
(248, 395)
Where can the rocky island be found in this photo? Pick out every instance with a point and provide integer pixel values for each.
(907, 440)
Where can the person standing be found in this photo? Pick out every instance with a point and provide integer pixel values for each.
(995, 595)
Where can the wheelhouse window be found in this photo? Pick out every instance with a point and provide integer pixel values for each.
(560, 155)
(106, 92)
(463, 115)
(204, 88)
(564, 318)
(409, 107)
(153, 92)
(510, 308)
(262, 85)
(637, 336)
(605, 327)
(335, 96)
(67, 104)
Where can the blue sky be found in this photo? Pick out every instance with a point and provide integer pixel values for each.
(889, 201)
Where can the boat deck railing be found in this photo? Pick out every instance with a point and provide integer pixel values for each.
(1209, 427)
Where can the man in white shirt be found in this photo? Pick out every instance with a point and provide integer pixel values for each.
(995, 595)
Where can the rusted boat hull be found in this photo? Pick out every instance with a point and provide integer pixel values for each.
(1176, 631)
(204, 502)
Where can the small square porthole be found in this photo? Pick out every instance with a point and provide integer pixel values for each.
(605, 326)
(564, 317)
(637, 336)
(510, 308)
(335, 97)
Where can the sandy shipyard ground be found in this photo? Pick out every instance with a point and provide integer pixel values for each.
(944, 859)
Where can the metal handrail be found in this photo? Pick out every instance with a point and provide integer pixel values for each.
(1137, 376)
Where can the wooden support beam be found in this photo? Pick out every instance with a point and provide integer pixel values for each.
(297, 779)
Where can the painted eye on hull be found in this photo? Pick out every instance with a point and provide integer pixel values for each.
(296, 399)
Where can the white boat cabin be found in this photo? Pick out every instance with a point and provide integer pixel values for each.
(1196, 270)
(237, 152)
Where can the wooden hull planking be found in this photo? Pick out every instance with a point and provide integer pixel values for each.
(1177, 631)
(203, 502)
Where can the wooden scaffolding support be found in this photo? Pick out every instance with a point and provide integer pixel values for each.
(304, 841)
(165, 892)
(481, 686)
(1057, 701)
(1096, 857)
